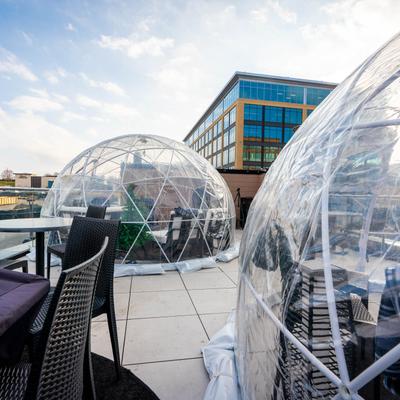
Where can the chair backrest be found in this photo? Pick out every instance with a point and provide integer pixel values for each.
(85, 236)
(96, 212)
(174, 227)
(57, 370)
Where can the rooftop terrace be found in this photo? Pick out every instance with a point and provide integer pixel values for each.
(164, 321)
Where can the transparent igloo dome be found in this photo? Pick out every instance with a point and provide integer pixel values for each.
(319, 291)
(172, 203)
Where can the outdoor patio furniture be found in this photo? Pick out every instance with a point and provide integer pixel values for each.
(217, 230)
(308, 320)
(15, 252)
(85, 235)
(10, 258)
(59, 249)
(387, 332)
(20, 299)
(183, 229)
(14, 264)
(57, 371)
(144, 178)
(39, 226)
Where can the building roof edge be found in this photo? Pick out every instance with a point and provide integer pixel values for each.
(248, 75)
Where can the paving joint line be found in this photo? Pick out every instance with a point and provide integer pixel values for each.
(198, 315)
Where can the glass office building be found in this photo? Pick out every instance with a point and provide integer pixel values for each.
(253, 117)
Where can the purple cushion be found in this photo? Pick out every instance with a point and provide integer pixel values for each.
(19, 292)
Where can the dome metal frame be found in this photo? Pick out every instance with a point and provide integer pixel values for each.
(315, 198)
(156, 178)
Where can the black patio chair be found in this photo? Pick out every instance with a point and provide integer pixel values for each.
(14, 264)
(10, 258)
(57, 371)
(59, 249)
(83, 239)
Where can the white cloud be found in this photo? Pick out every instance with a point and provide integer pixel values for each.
(135, 47)
(108, 86)
(114, 109)
(61, 98)
(259, 14)
(34, 104)
(182, 74)
(55, 75)
(145, 24)
(73, 116)
(40, 92)
(88, 101)
(347, 32)
(314, 39)
(42, 102)
(274, 7)
(10, 64)
(70, 27)
(44, 146)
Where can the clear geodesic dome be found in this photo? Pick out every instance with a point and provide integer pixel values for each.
(172, 203)
(319, 292)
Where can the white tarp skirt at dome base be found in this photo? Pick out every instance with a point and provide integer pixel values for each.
(318, 313)
(173, 204)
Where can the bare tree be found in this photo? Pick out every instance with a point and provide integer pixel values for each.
(7, 174)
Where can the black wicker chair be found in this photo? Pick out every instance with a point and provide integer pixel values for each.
(85, 233)
(59, 249)
(57, 371)
(14, 264)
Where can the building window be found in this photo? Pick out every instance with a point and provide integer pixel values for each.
(252, 131)
(293, 116)
(288, 134)
(316, 95)
(218, 110)
(253, 112)
(273, 114)
(226, 138)
(232, 116)
(225, 160)
(271, 92)
(231, 97)
(232, 135)
(270, 153)
(218, 162)
(231, 153)
(218, 128)
(201, 129)
(273, 133)
(218, 144)
(209, 121)
(251, 153)
(226, 120)
(229, 156)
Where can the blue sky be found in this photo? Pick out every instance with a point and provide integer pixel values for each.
(73, 73)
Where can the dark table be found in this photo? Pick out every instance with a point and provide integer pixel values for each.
(21, 296)
(39, 226)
